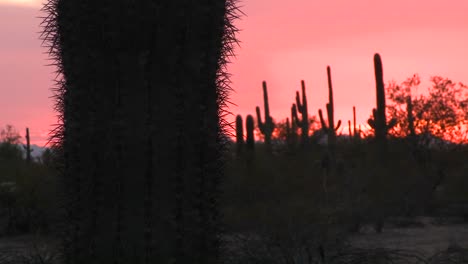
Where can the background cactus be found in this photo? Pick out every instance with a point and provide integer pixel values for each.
(303, 123)
(293, 134)
(330, 128)
(239, 135)
(157, 68)
(381, 127)
(27, 147)
(379, 120)
(267, 127)
(250, 126)
(354, 132)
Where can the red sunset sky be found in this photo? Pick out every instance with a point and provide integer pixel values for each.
(282, 42)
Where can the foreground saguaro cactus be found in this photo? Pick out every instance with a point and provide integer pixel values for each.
(268, 126)
(141, 95)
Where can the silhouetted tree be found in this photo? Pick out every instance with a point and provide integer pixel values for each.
(442, 111)
(10, 135)
(9, 144)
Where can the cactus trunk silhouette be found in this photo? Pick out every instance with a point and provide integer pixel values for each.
(379, 121)
(331, 128)
(381, 126)
(141, 97)
(267, 127)
(304, 121)
(239, 135)
(27, 147)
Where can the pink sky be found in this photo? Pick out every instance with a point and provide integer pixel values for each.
(282, 43)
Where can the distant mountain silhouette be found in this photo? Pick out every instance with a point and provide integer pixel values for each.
(37, 151)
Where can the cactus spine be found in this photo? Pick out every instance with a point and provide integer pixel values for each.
(302, 108)
(27, 147)
(330, 128)
(266, 128)
(239, 135)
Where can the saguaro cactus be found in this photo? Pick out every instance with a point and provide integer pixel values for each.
(250, 141)
(304, 121)
(156, 68)
(27, 147)
(379, 120)
(381, 127)
(330, 128)
(239, 135)
(293, 125)
(265, 127)
(353, 130)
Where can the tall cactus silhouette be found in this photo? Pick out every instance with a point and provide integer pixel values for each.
(331, 128)
(27, 147)
(250, 141)
(239, 135)
(304, 121)
(156, 68)
(267, 127)
(381, 126)
(353, 130)
(379, 120)
(293, 125)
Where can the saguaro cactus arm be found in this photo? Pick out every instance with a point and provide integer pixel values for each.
(294, 116)
(302, 107)
(261, 125)
(322, 120)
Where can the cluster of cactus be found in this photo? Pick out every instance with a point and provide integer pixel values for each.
(303, 123)
(379, 121)
(266, 127)
(156, 67)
